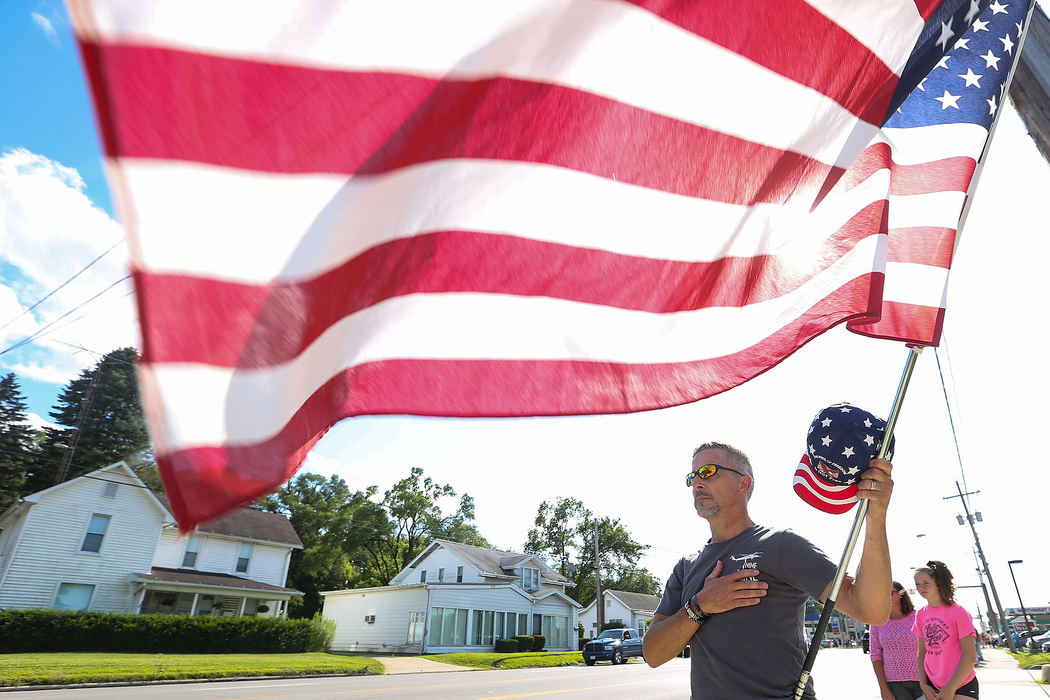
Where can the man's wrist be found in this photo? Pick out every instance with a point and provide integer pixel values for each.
(695, 612)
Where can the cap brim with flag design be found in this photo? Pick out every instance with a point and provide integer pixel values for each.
(842, 439)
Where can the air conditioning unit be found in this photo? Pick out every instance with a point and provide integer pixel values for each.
(370, 619)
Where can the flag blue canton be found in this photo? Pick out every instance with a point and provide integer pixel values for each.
(968, 84)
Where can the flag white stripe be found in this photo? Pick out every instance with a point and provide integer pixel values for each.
(867, 21)
(467, 326)
(325, 220)
(821, 496)
(499, 39)
(924, 144)
(910, 283)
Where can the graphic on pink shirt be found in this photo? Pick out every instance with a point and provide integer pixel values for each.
(942, 629)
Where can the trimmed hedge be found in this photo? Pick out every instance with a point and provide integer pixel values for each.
(538, 642)
(525, 642)
(38, 630)
(506, 646)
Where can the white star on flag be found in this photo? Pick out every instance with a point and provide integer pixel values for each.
(946, 33)
(1008, 45)
(869, 440)
(975, 9)
(998, 8)
(948, 100)
(991, 60)
(848, 452)
(826, 441)
(845, 409)
(852, 470)
(991, 105)
(971, 78)
(825, 423)
(980, 26)
(867, 422)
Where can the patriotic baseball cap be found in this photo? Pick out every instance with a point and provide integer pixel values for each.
(842, 440)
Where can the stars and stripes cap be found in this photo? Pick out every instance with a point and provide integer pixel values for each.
(842, 440)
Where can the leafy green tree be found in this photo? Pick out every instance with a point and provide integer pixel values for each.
(17, 440)
(101, 422)
(564, 532)
(333, 523)
(415, 520)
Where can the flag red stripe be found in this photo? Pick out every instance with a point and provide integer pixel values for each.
(925, 245)
(910, 323)
(859, 81)
(926, 8)
(401, 120)
(448, 261)
(944, 175)
(207, 482)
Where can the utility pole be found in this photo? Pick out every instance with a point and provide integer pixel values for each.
(71, 448)
(598, 603)
(984, 562)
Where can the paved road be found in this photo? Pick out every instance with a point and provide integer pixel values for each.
(839, 674)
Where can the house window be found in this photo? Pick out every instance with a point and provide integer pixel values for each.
(441, 575)
(193, 545)
(73, 596)
(95, 532)
(423, 576)
(523, 623)
(243, 557)
(481, 632)
(110, 489)
(416, 624)
(448, 627)
(512, 628)
(459, 574)
(556, 630)
(530, 578)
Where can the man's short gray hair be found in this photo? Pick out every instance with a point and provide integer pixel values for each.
(736, 456)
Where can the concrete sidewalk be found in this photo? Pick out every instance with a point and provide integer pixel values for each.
(416, 664)
(1000, 677)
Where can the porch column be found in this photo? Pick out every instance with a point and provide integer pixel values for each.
(136, 602)
(193, 608)
(240, 613)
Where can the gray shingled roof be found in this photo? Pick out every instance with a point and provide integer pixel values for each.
(252, 524)
(493, 561)
(637, 601)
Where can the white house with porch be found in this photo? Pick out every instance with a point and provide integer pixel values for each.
(103, 541)
(456, 597)
(622, 608)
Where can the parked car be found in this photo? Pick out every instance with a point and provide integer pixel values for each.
(1039, 642)
(616, 645)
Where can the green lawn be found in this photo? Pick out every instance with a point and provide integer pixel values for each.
(1026, 659)
(525, 659)
(45, 669)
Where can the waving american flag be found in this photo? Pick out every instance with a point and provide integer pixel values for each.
(523, 207)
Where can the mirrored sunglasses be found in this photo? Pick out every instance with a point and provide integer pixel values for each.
(706, 472)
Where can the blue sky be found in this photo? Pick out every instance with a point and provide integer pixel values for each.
(56, 216)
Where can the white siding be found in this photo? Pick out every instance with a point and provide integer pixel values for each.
(391, 607)
(49, 550)
(219, 554)
(8, 542)
(438, 559)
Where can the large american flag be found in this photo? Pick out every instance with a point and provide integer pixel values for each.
(522, 207)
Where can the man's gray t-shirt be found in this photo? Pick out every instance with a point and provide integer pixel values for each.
(756, 651)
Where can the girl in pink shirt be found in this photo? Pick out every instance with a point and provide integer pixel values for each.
(947, 651)
(894, 649)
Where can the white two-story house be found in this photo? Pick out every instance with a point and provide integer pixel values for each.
(456, 597)
(104, 541)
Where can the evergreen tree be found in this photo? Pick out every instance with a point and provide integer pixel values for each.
(101, 422)
(17, 440)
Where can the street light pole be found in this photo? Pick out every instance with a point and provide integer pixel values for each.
(1023, 611)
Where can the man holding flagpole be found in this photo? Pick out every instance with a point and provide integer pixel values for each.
(739, 602)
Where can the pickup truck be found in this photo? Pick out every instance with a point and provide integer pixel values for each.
(616, 645)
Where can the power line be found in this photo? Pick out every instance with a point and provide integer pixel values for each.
(56, 289)
(41, 331)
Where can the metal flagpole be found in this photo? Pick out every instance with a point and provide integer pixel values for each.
(862, 510)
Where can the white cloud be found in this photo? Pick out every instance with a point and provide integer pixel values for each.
(49, 231)
(39, 423)
(45, 26)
